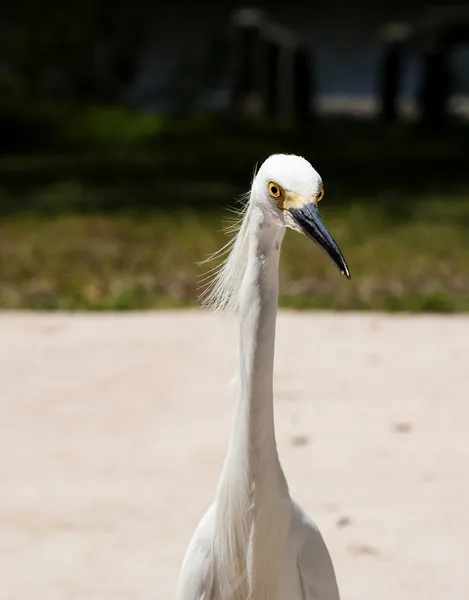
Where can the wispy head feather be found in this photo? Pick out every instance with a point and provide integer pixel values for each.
(223, 282)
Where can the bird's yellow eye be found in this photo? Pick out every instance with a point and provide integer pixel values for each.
(274, 190)
(320, 195)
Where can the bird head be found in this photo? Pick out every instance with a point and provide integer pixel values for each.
(289, 189)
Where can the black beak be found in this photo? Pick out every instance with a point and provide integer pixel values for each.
(309, 220)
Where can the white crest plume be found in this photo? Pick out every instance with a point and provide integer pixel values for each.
(223, 282)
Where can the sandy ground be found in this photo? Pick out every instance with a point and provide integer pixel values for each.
(113, 430)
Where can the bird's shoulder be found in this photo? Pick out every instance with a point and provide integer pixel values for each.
(317, 573)
(196, 577)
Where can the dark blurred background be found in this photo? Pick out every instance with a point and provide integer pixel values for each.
(127, 127)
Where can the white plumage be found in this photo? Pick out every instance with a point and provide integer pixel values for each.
(255, 542)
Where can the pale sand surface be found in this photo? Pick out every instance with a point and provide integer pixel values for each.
(113, 430)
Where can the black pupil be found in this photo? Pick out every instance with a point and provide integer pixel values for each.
(274, 190)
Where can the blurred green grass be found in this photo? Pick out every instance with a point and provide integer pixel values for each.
(121, 262)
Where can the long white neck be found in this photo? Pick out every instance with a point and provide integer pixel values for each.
(253, 493)
(253, 436)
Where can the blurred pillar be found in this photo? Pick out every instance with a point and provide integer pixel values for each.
(288, 48)
(281, 75)
(246, 91)
(296, 80)
(272, 77)
(391, 68)
(278, 74)
(302, 86)
(436, 83)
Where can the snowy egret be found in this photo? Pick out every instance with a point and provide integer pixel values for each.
(255, 542)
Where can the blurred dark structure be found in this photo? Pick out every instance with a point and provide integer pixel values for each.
(440, 32)
(121, 103)
(394, 40)
(247, 91)
(277, 63)
(434, 37)
(273, 75)
(272, 71)
(103, 54)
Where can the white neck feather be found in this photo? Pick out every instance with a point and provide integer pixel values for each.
(253, 500)
(258, 300)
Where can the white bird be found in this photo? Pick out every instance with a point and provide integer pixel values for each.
(255, 542)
